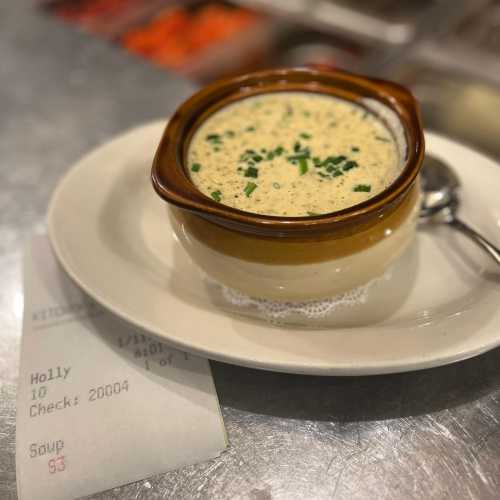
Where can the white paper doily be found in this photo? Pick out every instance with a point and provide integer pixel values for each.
(278, 311)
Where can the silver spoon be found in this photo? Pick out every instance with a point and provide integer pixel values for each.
(440, 202)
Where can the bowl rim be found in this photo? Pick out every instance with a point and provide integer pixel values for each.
(171, 180)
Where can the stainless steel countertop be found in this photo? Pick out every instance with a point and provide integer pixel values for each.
(429, 434)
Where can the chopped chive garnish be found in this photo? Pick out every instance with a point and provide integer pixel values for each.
(249, 188)
(324, 175)
(355, 149)
(229, 133)
(216, 149)
(251, 172)
(279, 150)
(305, 136)
(296, 146)
(362, 188)
(302, 166)
(338, 159)
(348, 165)
(195, 167)
(216, 195)
(382, 139)
(301, 156)
(213, 137)
(312, 214)
(276, 185)
(257, 158)
(334, 171)
(270, 156)
(250, 129)
(333, 160)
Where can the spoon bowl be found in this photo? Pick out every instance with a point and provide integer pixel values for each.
(440, 202)
(439, 187)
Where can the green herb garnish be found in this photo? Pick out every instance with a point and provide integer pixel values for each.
(216, 195)
(276, 185)
(250, 129)
(229, 133)
(312, 214)
(332, 160)
(195, 167)
(362, 188)
(214, 139)
(251, 172)
(302, 166)
(301, 156)
(355, 149)
(250, 156)
(348, 165)
(247, 155)
(338, 159)
(249, 188)
(382, 139)
(305, 136)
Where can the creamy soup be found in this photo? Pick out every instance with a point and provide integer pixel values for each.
(292, 154)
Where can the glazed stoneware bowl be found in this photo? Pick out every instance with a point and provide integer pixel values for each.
(293, 258)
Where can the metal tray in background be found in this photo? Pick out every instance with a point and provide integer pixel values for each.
(469, 45)
(392, 22)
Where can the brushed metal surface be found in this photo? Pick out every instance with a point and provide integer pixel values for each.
(429, 434)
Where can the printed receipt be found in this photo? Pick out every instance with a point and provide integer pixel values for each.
(100, 404)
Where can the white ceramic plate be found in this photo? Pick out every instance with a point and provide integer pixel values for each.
(442, 304)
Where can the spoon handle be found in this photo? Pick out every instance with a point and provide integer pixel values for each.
(486, 245)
